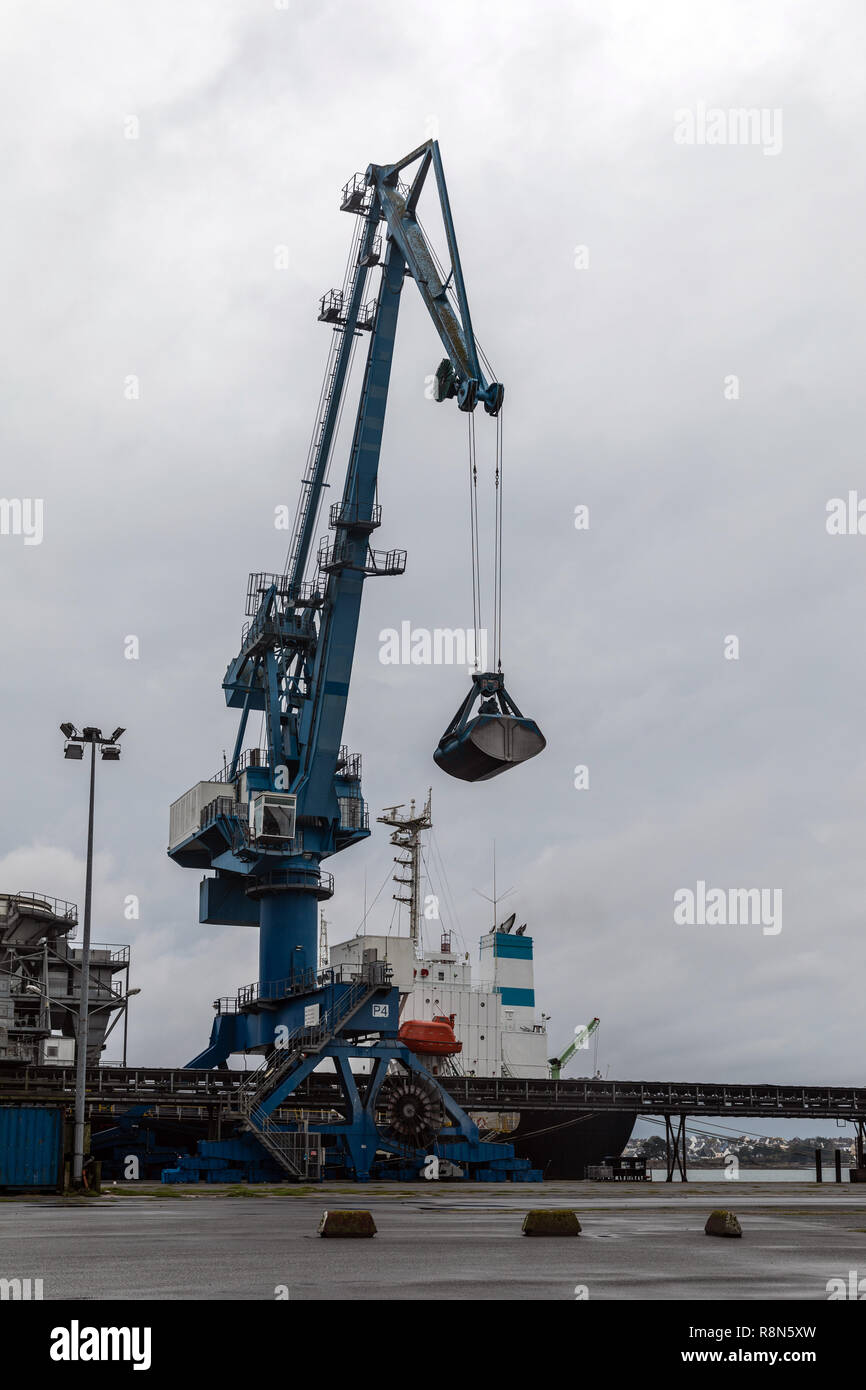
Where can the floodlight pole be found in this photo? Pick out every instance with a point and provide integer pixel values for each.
(108, 747)
(84, 994)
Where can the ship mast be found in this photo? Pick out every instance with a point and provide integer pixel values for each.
(497, 898)
(324, 955)
(407, 830)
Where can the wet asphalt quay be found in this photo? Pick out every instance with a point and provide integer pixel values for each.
(639, 1241)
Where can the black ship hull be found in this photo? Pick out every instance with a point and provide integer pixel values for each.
(564, 1144)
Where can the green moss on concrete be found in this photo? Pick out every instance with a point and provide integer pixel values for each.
(557, 1221)
(722, 1223)
(347, 1224)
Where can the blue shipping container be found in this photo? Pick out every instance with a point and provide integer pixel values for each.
(31, 1146)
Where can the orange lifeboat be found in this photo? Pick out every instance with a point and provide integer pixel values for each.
(434, 1039)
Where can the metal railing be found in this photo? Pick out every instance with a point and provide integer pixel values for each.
(354, 813)
(223, 807)
(251, 757)
(386, 561)
(296, 594)
(373, 254)
(273, 990)
(290, 1148)
(109, 953)
(274, 880)
(357, 195)
(367, 314)
(349, 764)
(39, 904)
(331, 554)
(331, 307)
(352, 514)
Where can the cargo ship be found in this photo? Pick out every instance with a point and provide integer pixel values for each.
(483, 1024)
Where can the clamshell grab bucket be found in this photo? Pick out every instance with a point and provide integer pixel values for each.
(496, 739)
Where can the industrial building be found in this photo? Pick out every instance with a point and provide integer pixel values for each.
(40, 985)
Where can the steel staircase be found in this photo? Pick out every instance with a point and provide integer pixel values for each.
(289, 1148)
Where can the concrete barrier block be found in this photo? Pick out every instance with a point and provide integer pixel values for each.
(722, 1223)
(556, 1221)
(347, 1224)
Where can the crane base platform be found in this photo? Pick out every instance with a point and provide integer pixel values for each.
(244, 1159)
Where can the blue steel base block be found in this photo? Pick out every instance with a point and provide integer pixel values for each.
(244, 1160)
(226, 1160)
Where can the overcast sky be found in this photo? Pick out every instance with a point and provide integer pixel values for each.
(154, 257)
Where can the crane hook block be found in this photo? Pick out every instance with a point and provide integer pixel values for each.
(497, 738)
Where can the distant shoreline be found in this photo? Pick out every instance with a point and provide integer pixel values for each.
(806, 1166)
(799, 1159)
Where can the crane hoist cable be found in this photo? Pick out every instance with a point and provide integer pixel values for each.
(496, 646)
(473, 531)
(473, 500)
(498, 737)
(476, 543)
(497, 551)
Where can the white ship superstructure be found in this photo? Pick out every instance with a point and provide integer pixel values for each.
(494, 1016)
(494, 1019)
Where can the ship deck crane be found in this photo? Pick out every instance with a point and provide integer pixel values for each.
(263, 826)
(581, 1038)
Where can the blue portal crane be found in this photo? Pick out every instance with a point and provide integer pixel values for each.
(264, 824)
